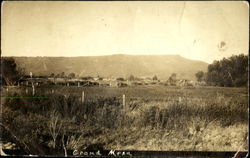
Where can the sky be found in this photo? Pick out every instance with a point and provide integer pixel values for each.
(206, 31)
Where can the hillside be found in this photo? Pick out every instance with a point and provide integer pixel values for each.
(114, 65)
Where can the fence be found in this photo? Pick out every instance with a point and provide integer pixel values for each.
(8, 91)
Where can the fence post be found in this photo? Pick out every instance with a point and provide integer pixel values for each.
(84, 106)
(124, 101)
(7, 89)
(179, 99)
(82, 97)
(78, 84)
(26, 91)
(33, 90)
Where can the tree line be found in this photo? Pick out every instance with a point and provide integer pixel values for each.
(228, 72)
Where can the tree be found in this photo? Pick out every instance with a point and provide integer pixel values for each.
(200, 76)
(131, 78)
(120, 79)
(155, 78)
(228, 72)
(71, 75)
(172, 79)
(62, 75)
(173, 76)
(10, 73)
(52, 75)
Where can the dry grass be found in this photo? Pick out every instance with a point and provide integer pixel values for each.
(156, 117)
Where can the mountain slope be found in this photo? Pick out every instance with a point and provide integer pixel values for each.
(114, 65)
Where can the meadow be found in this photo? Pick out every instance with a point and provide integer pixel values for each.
(154, 117)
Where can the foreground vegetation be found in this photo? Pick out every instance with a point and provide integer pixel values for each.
(154, 118)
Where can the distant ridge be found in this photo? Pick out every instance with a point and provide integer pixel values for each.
(117, 65)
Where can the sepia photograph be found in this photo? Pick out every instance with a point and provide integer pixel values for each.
(124, 78)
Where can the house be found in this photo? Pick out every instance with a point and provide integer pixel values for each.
(113, 83)
(185, 82)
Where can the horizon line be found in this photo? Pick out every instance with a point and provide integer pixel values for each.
(97, 55)
(113, 55)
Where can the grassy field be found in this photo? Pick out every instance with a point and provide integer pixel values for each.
(154, 118)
